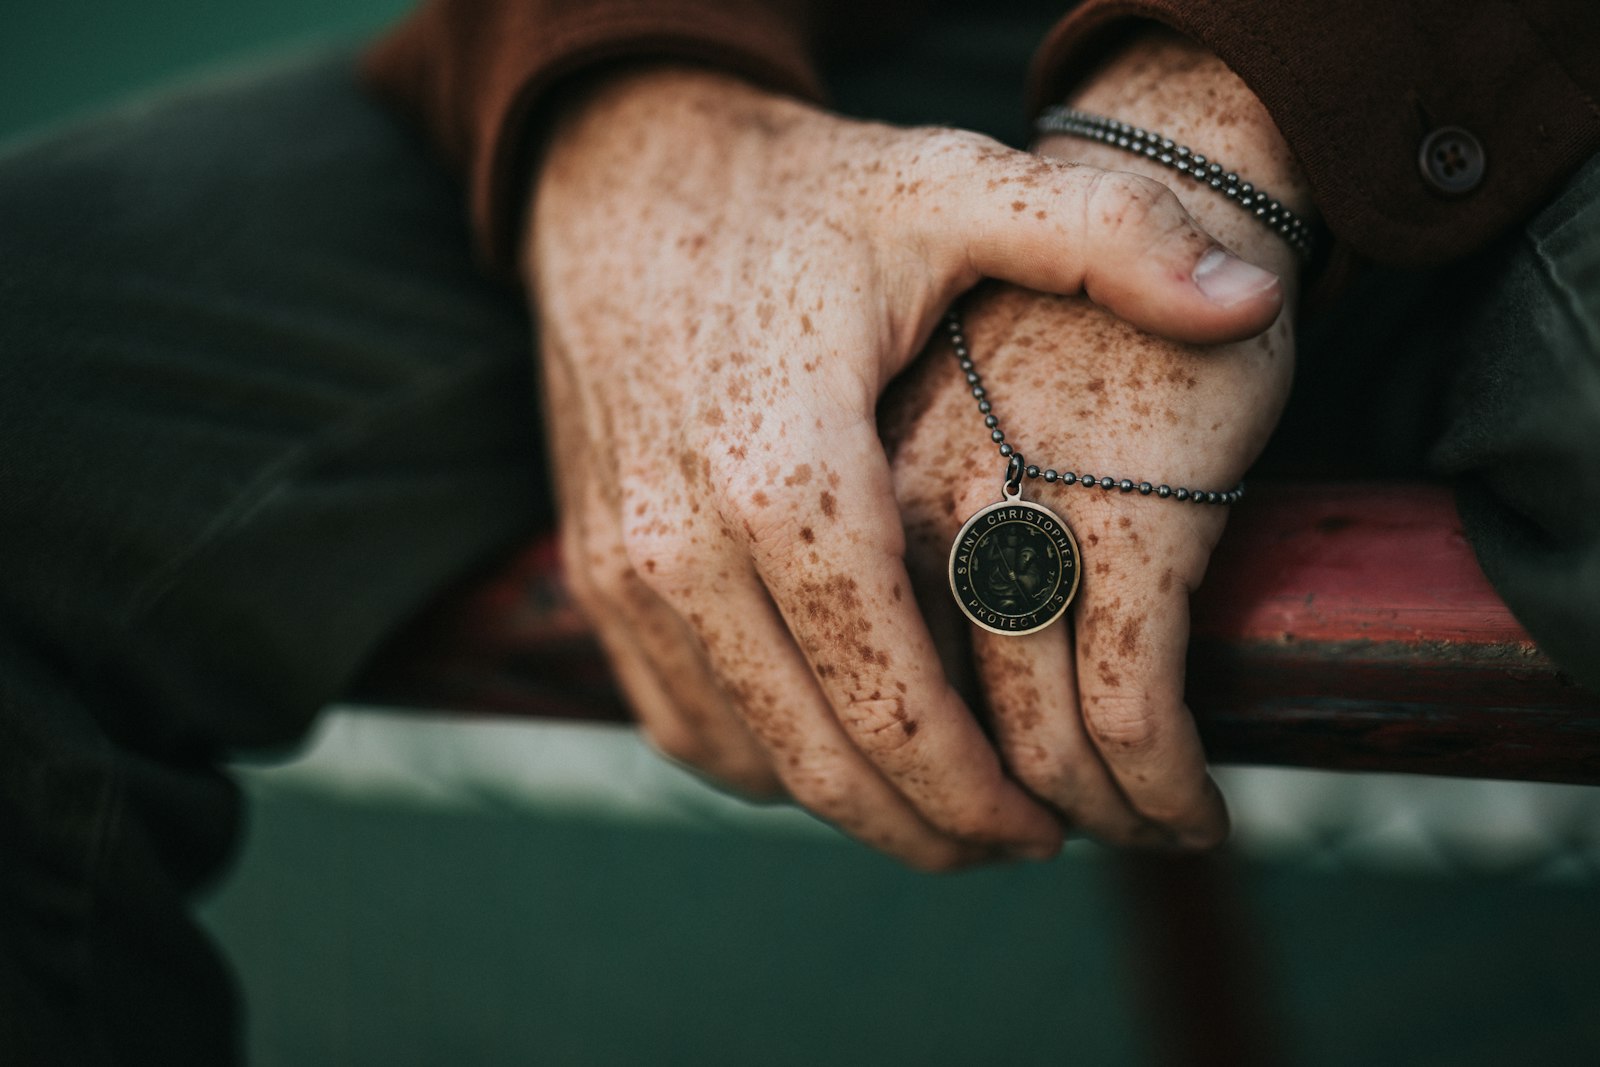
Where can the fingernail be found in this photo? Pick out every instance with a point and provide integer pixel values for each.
(1227, 280)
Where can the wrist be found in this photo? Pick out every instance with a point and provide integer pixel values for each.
(1166, 83)
(652, 122)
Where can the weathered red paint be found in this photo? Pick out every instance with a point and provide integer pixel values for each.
(1344, 626)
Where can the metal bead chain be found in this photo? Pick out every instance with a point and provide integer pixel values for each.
(1291, 227)
(958, 341)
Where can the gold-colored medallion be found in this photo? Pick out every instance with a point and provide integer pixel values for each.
(1014, 567)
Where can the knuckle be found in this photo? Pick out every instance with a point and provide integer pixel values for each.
(1122, 724)
(1122, 204)
(662, 561)
(879, 725)
(948, 144)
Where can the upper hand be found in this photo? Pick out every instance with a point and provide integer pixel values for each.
(1091, 716)
(723, 282)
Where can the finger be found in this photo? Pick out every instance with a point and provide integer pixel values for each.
(751, 650)
(1132, 628)
(693, 720)
(830, 551)
(1123, 240)
(654, 658)
(1031, 687)
(657, 662)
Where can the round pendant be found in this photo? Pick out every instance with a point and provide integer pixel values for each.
(1014, 566)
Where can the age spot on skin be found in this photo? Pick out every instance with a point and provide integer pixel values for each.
(875, 657)
(829, 506)
(799, 476)
(807, 534)
(1128, 637)
(1179, 376)
(1019, 205)
(689, 465)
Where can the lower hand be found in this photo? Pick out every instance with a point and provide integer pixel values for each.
(723, 283)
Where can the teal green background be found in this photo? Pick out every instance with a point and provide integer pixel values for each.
(372, 933)
(68, 56)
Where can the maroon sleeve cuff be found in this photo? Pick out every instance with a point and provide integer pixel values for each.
(475, 73)
(1359, 87)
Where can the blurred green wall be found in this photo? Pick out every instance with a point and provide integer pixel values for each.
(66, 56)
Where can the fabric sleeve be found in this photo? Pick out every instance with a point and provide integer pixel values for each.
(1358, 87)
(474, 74)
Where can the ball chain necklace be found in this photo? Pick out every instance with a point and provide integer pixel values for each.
(1015, 565)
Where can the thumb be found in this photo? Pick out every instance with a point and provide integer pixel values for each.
(1122, 240)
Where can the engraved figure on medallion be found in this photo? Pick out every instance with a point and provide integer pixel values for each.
(1016, 568)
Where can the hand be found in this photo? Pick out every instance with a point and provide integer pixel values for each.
(723, 283)
(1091, 716)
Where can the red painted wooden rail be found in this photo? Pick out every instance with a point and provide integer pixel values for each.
(1342, 626)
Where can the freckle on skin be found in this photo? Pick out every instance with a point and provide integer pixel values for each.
(689, 465)
(1124, 522)
(1019, 205)
(799, 476)
(1165, 583)
(1128, 637)
(650, 565)
(759, 499)
(805, 324)
(829, 505)
(807, 535)
(1108, 677)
